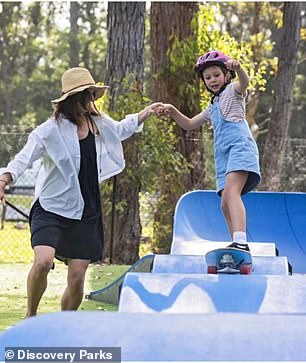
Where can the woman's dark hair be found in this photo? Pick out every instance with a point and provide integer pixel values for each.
(75, 106)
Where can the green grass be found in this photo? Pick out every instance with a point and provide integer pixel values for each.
(15, 245)
(16, 256)
(13, 290)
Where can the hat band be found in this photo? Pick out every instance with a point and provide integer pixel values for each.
(82, 85)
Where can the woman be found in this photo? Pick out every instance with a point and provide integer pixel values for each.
(79, 147)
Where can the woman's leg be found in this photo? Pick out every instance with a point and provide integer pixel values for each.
(73, 294)
(37, 277)
(231, 202)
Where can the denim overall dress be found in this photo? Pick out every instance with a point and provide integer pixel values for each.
(235, 150)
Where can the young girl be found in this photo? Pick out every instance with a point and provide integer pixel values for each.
(79, 147)
(235, 151)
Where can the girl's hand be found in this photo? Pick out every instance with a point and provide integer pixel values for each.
(164, 110)
(152, 109)
(148, 111)
(233, 65)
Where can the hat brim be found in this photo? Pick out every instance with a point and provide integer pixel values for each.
(99, 91)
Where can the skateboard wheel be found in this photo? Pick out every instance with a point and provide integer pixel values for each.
(245, 269)
(211, 269)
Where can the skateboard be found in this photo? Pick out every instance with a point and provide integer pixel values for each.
(229, 260)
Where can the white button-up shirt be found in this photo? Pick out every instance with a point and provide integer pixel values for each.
(57, 144)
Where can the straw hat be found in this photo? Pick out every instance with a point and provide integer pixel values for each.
(76, 80)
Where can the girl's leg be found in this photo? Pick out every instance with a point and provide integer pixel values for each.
(73, 294)
(37, 277)
(231, 202)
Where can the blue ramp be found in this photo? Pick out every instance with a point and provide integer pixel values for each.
(273, 217)
(168, 337)
(262, 265)
(200, 293)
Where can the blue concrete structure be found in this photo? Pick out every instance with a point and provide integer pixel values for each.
(271, 217)
(169, 337)
(177, 312)
(262, 265)
(202, 293)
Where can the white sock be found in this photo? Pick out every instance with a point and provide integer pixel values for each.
(239, 237)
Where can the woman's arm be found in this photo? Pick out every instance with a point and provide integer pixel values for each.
(131, 123)
(32, 151)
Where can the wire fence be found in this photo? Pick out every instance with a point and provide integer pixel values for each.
(14, 227)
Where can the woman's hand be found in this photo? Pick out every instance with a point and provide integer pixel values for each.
(148, 111)
(5, 180)
(164, 109)
(2, 190)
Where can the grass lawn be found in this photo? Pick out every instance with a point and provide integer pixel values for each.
(16, 256)
(13, 290)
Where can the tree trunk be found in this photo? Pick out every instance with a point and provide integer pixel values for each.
(170, 21)
(254, 96)
(283, 98)
(126, 29)
(7, 63)
(74, 45)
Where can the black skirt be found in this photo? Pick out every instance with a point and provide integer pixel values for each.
(74, 239)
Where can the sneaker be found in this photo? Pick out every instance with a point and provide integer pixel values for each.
(240, 246)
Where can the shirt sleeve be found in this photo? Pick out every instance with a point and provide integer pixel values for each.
(126, 127)
(206, 114)
(33, 150)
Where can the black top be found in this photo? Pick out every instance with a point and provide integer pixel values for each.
(73, 238)
(88, 176)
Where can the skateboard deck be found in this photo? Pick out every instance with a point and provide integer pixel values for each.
(229, 260)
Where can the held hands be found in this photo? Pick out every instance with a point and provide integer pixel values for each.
(147, 112)
(164, 110)
(159, 109)
(152, 109)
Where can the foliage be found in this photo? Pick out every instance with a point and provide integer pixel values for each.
(183, 56)
(156, 148)
(211, 37)
(35, 52)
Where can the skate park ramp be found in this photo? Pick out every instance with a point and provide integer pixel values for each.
(158, 337)
(271, 217)
(179, 313)
(203, 293)
(262, 265)
(110, 293)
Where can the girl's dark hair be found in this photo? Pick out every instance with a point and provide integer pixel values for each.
(76, 105)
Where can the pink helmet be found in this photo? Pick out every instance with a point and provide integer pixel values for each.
(212, 58)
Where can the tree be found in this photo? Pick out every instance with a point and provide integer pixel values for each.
(19, 55)
(126, 30)
(74, 44)
(171, 28)
(283, 97)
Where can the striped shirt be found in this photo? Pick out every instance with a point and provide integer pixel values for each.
(232, 105)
